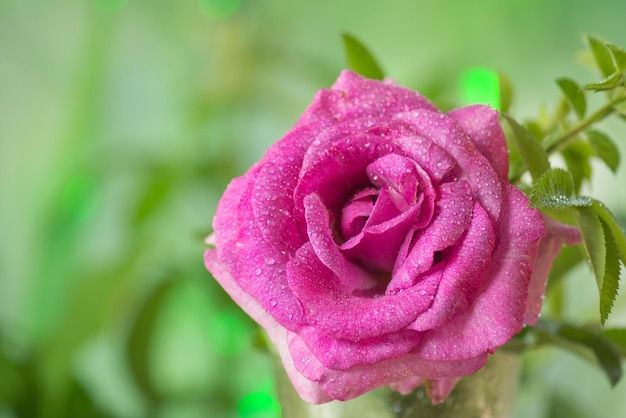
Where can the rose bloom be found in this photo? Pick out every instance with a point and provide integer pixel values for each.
(380, 243)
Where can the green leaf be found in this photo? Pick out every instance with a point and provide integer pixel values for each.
(617, 233)
(154, 195)
(605, 149)
(529, 148)
(594, 242)
(360, 59)
(563, 406)
(601, 54)
(605, 351)
(13, 384)
(615, 250)
(574, 95)
(619, 56)
(569, 257)
(610, 281)
(577, 158)
(536, 129)
(612, 81)
(506, 93)
(555, 182)
(81, 403)
(618, 336)
(621, 108)
(140, 339)
(555, 190)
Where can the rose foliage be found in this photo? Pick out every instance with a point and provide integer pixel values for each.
(380, 243)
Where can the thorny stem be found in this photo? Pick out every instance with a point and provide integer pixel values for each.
(561, 140)
(597, 116)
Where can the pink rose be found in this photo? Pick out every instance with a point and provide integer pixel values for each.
(380, 243)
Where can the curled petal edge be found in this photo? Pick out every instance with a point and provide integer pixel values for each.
(308, 390)
(557, 234)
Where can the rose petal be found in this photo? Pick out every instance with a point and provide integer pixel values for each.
(273, 180)
(400, 174)
(356, 97)
(473, 166)
(453, 214)
(356, 212)
(258, 267)
(466, 267)
(339, 171)
(308, 390)
(433, 159)
(498, 312)
(341, 354)
(557, 234)
(366, 249)
(482, 124)
(321, 239)
(400, 180)
(327, 306)
(348, 384)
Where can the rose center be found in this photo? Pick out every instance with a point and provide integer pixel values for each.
(356, 212)
(374, 222)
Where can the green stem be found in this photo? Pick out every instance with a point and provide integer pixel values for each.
(597, 116)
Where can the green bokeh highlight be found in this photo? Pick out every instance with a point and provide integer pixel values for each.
(259, 405)
(219, 9)
(109, 6)
(79, 197)
(480, 86)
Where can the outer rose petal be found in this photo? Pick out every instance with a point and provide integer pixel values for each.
(557, 235)
(353, 96)
(482, 124)
(248, 257)
(348, 384)
(498, 311)
(308, 390)
(342, 354)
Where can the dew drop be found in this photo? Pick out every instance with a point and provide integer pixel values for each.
(273, 302)
(258, 272)
(269, 261)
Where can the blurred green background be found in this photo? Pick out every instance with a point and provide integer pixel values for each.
(122, 121)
